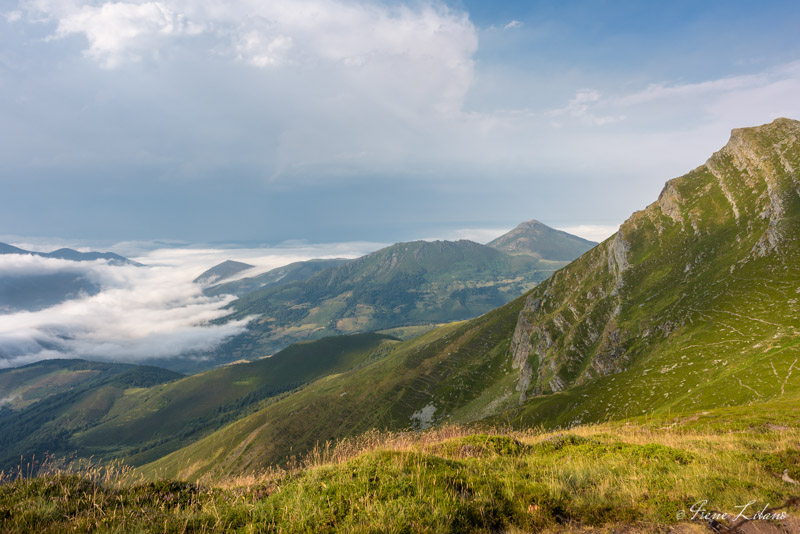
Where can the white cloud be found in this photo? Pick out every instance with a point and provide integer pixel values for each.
(512, 25)
(592, 232)
(580, 107)
(372, 39)
(325, 92)
(122, 31)
(142, 312)
(13, 16)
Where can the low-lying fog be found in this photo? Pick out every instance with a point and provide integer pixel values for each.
(139, 313)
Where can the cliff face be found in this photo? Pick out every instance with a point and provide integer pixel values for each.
(692, 259)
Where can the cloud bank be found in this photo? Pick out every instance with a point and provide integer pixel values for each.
(142, 313)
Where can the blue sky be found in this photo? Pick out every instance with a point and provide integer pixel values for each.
(329, 120)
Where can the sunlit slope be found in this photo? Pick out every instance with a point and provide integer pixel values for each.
(405, 284)
(149, 423)
(459, 372)
(141, 413)
(635, 476)
(693, 304)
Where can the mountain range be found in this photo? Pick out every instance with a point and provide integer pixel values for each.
(692, 305)
(408, 286)
(71, 254)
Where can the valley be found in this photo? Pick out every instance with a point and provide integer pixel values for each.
(675, 333)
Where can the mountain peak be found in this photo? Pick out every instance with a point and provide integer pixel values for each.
(533, 238)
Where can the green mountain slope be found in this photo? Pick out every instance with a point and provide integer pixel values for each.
(455, 373)
(142, 413)
(51, 400)
(150, 423)
(300, 270)
(22, 386)
(405, 284)
(692, 305)
(633, 476)
(540, 241)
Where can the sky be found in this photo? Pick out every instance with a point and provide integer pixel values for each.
(182, 133)
(334, 121)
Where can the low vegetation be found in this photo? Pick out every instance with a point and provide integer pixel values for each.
(643, 476)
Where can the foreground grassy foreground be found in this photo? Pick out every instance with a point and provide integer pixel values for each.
(639, 476)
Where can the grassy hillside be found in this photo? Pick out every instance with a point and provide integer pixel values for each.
(22, 386)
(459, 372)
(406, 284)
(673, 313)
(633, 476)
(126, 415)
(57, 398)
(297, 271)
(150, 423)
(694, 303)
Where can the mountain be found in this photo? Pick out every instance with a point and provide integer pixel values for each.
(10, 249)
(23, 386)
(36, 292)
(222, 271)
(691, 306)
(142, 413)
(72, 255)
(541, 241)
(293, 272)
(33, 292)
(48, 401)
(415, 283)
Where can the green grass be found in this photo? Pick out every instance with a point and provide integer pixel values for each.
(636, 476)
(115, 416)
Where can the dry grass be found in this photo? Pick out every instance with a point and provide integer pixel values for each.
(623, 477)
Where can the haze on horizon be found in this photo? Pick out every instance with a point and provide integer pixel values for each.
(335, 121)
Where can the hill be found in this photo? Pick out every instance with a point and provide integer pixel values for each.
(300, 270)
(691, 305)
(541, 241)
(22, 386)
(72, 255)
(142, 413)
(35, 292)
(50, 400)
(415, 283)
(222, 271)
(632, 476)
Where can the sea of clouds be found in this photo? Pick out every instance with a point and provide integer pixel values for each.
(141, 313)
(156, 311)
